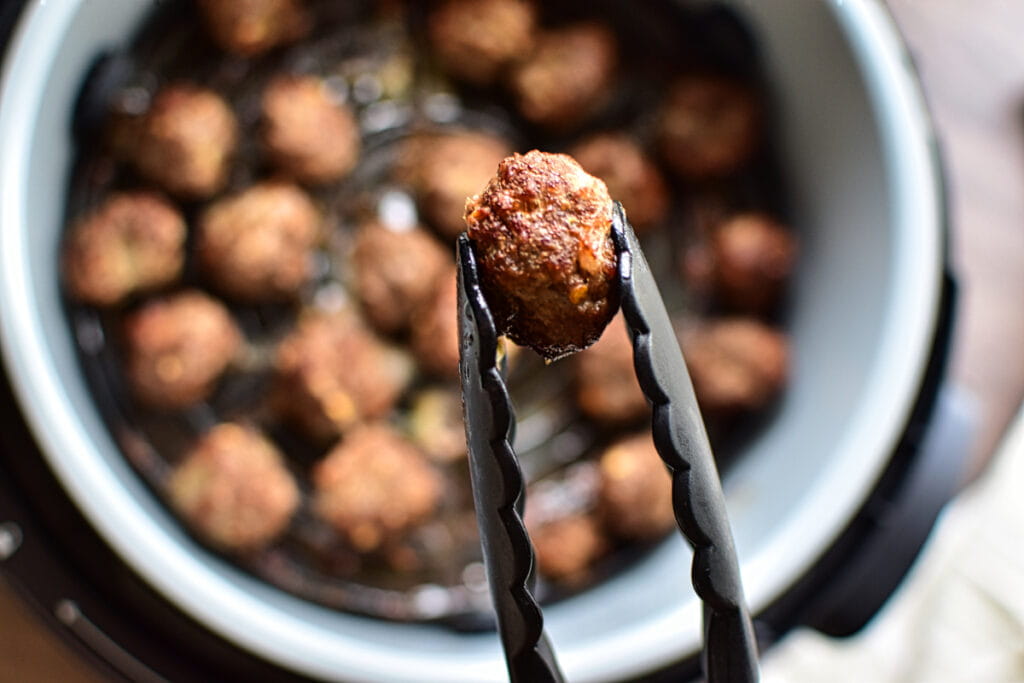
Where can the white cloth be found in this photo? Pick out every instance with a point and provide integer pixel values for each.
(959, 616)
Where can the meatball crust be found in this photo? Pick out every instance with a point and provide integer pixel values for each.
(307, 135)
(233, 488)
(186, 141)
(395, 272)
(332, 373)
(542, 230)
(435, 328)
(708, 126)
(635, 494)
(249, 27)
(443, 170)
(631, 178)
(567, 547)
(374, 486)
(605, 380)
(475, 39)
(177, 348)
(753, 259)
(257, 245)
(132, 242)
(568, 77)
(736, 364)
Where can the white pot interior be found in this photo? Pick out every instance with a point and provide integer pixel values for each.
(865, 200)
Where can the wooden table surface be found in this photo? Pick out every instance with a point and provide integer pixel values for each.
(970, 54)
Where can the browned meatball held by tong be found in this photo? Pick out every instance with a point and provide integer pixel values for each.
(374, 486)
(249, 27)
(132, 242)
(186, 141)
(178, 347)
(542, 232)
(234, 489)
(309, 136)
(258, 245)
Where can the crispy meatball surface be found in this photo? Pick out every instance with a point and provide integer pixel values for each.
(395, 272)
(736, 364)
(635, 495)
(753, 259)
(605, 381)
(373, 486)
(435, 328)
(234, 489)
(569, 75)
(332, 373)
(249, 27)
(444, 170)
(709, 126)
(177, 348)
(308, 135)
(542, 230)
(186, 140)
(475, 39)
(258, 245)
(130, 243)
(631, 178)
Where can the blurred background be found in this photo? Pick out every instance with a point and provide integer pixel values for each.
(971, 60)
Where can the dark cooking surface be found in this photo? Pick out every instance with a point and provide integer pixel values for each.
(357, 46)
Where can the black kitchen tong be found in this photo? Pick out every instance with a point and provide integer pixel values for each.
(730, 650)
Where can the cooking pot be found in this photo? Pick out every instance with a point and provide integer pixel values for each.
(829, 503)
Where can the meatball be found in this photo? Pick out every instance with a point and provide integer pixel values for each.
(374, 486)
(234, 489)
(736, 364)
(132, 242)
(186, 141)
(395, 271)
(249, 27)
(753, 259)
(542, 230)
(178, 347)
(436, 424)
(635, 494)
(308, 135)
(435, 328)
(568, 77)
(708, 126)
(332, 373)
(444, 170)
(475, 39)
(258, 245)
(566, 535)
(631, 178)
(566, 547)
(605, 381)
